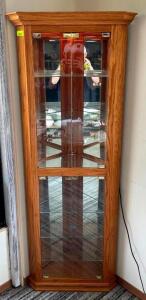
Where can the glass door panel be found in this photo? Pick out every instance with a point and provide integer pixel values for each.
(70, 82)
(95, 82)
(72, 218)
(70, 73)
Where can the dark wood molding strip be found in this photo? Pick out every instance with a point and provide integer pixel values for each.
(70, 285)
(5, 286)
(131, 288)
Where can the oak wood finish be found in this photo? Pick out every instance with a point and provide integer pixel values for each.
(71, 172)
(71, 285)
(70, 28)
(28, 123)
(79, 18)
(114, 129)
(115, 23)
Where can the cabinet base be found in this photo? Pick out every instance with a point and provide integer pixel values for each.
(70, 285)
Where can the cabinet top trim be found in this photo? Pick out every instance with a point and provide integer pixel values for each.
(66, 18)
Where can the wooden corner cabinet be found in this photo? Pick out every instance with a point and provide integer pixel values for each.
(72, 69)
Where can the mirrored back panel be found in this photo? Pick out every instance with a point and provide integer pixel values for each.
(70, 72)
(72, 226)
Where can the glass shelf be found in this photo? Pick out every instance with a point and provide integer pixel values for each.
(52, 73)
(82, 269)
(72, 249)
(70, 213)
(89, 132)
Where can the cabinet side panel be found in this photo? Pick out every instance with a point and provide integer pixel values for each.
(27, 111)
(117, 57)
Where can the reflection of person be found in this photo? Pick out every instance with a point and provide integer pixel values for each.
(54, 79)
(87, 67)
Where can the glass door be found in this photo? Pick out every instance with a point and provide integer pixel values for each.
(70, 73)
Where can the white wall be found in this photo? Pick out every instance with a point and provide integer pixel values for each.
(134, 140)
(4, 257)
(38, 5)
(133, 179)
(110, 5)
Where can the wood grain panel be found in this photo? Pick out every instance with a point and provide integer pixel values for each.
(71, 28)
(67, 18)
(28, 122)
(71, 285)
(117, 53)
(71, 172)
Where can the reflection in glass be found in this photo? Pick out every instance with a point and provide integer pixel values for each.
(70, 82)
(72, 214)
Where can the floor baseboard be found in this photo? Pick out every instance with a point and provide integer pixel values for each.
(129, 287)
(5, 286)
(120, 280)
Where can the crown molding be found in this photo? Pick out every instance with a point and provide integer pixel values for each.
(66, 18)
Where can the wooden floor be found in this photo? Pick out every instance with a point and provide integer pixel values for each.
(26, 293)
